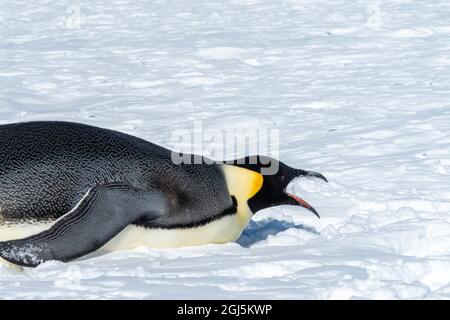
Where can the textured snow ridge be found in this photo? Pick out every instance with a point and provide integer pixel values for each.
(359, 91)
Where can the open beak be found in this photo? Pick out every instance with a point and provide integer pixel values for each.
(300, 201)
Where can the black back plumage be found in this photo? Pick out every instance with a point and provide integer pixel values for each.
(47, 167)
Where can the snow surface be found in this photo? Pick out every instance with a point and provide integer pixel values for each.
(358, 89)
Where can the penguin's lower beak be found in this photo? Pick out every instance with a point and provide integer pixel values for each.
(304, 204)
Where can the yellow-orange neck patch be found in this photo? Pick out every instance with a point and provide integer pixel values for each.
(242, 184)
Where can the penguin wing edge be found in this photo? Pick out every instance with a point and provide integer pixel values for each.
(105, 211)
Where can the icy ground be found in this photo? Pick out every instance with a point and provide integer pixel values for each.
(360, 91)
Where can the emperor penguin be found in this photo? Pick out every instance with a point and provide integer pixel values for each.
(69, 189)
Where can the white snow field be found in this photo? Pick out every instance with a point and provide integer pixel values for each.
(360, 91)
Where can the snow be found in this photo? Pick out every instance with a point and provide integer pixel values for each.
(359, 91)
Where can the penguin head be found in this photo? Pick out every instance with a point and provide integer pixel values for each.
(276, 177)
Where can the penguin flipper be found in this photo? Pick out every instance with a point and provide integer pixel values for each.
(105, 211)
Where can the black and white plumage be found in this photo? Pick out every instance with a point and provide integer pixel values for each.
(68, 189)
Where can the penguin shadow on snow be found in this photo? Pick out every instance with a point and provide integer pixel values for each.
(257, 231)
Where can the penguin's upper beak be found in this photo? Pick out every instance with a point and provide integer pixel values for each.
(299, 201)
(309, 174)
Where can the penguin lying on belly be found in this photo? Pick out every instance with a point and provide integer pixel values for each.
(68, 189)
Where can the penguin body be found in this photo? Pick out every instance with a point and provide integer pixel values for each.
(68, 189)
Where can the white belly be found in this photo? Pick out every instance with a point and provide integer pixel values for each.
(222, 230)
(225, 229)
(19, 231)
